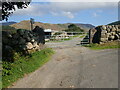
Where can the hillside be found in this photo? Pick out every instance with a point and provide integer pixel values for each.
(115, 23)
(26, 25)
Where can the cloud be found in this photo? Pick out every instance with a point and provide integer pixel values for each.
(68, 14)
(66, 9)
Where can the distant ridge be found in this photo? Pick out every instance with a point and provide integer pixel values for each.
(7, 23)
(26, 25)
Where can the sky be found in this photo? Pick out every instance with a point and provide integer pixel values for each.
(95, 13)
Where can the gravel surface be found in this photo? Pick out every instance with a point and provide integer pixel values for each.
(74, 66)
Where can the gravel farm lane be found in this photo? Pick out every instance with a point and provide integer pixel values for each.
(74, 66)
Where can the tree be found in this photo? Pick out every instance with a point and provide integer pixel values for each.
(74, 28)
(8, 6)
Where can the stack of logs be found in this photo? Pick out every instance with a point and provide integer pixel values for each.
(104, 33)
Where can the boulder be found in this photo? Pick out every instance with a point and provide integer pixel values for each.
(22, 40)
(16, 36)
(103, 36)
(103, 39)
(103, 31)
(113, 29)
(116, 36)
(104, 27)
(20, 31)
(29, 45)
(40, 32)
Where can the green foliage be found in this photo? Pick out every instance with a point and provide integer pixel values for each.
(23, 65)
(109, 45)
(74, 28)
(8, 29)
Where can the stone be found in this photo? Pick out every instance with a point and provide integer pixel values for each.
(112, 37)
(22, 40)
(8, 48)
(34, 44)
(14, 42)
(28, 39)
(108, 34)
(113, 33)
(29, 45)
(108, 30)
(103, 36)
(113, 29)
(20, 31)
(103, 39)
(32, 40)
(40, 32)
(5, 40)
(104, 27)
(23, 47)
(103, 31)
(117, 36)
(16, 36)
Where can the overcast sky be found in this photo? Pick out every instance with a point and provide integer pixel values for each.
(96, 13)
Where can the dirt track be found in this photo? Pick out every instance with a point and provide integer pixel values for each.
(73, 66)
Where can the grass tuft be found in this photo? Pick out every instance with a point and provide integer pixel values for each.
(108, 45)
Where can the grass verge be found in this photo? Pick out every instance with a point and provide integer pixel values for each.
(24, 65)
(109, 45)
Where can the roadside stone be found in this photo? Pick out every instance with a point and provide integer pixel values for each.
(29, 45)
(103, 27)
(21, 40)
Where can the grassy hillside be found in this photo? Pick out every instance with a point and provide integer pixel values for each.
(115, 23)
(26, 25)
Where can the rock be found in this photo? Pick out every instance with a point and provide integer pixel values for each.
(113, 29)
(116, 36)
(16, 36)
(5, 40)
(108, 34)
(112, 37)
(113, 33)
(29, 45)
(28, 39)
(22, 40)
(104, 27)
(103, 36)
(14, 42)
(103, 31)
(34, 44)
(32, 40)
(40, 32)
(8, 48)
(20, 31)
(103, 39)
(108, 30)
(23, 47)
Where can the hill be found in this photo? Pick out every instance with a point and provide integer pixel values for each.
(115, 23)
(7, 23)
(26, 25)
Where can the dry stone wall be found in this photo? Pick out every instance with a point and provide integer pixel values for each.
(23, 41)
(104, 33)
